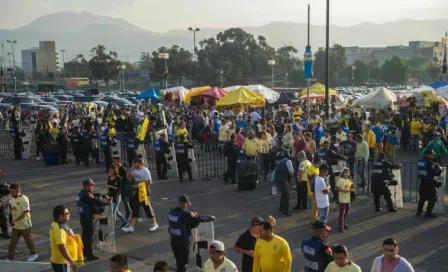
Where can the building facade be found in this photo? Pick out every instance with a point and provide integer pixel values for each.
(43, 60)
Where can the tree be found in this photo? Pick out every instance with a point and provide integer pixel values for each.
(395, 71)
(145, 63)
(77, 67)
(104, 65)
(375, 70)
(361, 72)
(338, 64)
(419, 67)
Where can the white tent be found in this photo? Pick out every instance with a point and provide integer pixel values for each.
(182, 91)
(379, 99)
(231, 88)
(270, 95)
(423, 88)
(443, 89)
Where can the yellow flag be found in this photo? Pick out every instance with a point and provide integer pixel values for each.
(142, 194)
(142, 131)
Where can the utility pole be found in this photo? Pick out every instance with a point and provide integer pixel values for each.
(194, 30)
(272, 63)
(308, 63)
(444, 63)
(63, 63)
(165, 56)
(221, 80)
(286, 80)
(327, 63)
(12, 42)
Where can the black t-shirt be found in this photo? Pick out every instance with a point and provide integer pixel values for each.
(246, 241)
(112, 192)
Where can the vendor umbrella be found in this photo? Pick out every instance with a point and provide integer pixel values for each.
(214, 92)
(150, 93)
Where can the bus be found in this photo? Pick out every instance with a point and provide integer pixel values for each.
(77, 81)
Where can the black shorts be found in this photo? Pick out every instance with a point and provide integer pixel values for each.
(135, 207)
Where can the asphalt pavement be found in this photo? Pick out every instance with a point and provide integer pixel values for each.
(423, 242)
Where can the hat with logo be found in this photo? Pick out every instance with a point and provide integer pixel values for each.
(318, 224)
(88, 182)
(217, 246)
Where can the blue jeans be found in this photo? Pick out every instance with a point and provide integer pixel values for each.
(323, 214)
(117, 211)
(361, 168)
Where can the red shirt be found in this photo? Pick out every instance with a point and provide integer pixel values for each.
(299, 145)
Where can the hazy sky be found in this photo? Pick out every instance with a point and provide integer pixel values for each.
(177, 14)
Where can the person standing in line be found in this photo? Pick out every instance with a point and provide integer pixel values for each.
(245, 244)
(362, 153)
(231, 152)
(301, 189)
(21, 223)
(390, 261)
(64, 247)
(321, 192)
(283, 171)
(272, 252)
(313, 171)
(344, 186)
(341, 261)
(218, 262)
(142, 178)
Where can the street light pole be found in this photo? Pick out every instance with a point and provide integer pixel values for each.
(12, 42)
(308, 65)
(286, 80)
(194, 30)
(353, 75)
(165, 56)
(445, 64)
(272, 63)
(327, 63)
(63, 62)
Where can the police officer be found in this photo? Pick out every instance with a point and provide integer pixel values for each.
(76, 139)
(381, 178)
(89, 145)
(182, 160)
(106, 142)
(316, 252)
(330, 157)
(161, 147)
(131, 150)
(17, 135)
(89, 204)
(426, 171)
(282, 173)
(180, 223)
(62, 141)
(231, 153)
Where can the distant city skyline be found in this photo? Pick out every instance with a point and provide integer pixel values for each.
(162, 16)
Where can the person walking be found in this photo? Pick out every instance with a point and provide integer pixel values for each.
(341, 261)
(218, 261)
(321, 191)
(390, 261)
(21, 223)
(301, 188)
(113, 191)
(283, 171)
(344, 187)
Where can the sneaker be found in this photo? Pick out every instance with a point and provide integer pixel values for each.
(341, 230)
(154, 227)
(38, 158)
(430, 215)
(346, 227)
(128, 229)
(286, 214)
(32, 258)
(140, 220)
(124, 225)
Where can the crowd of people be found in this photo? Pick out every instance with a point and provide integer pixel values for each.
(313, 154)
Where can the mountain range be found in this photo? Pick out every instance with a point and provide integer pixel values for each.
(77, 33)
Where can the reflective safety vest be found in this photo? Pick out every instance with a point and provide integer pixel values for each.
(84, 209)
(180, 148)
(103, 140)
(176, 228)
(314, 261)
(422, 168)
(131, 144)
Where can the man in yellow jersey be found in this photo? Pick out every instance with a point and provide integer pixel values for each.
(312, 172)
(302, 180)
(119, 263)
(271, 253)
(183, 131)
(218, 262)
(64, 249)
(21, 223)
(251, 145)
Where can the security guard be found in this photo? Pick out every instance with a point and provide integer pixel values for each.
(106, 142)
(231, 153)
(282, 173)
(330, 157)
(161, 147)
(182, 160)
(131, 150)
(62, 141)
(89, 146)
(17, 135)
(426, 171)
(76, 139)
(88, 205)
(316, 252)
(381, 178)
(180, 223)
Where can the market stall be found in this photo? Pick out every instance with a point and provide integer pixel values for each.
(195, 91)
(241, 96)
(270, 95)
(381, 98)
(150, 93)
(318, 88)
(284, 99)
(178, 92)
(209, 97)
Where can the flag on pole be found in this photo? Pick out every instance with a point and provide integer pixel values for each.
(141, 133)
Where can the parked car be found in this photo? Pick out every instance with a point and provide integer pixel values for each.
(14, 100)
(42, 110)
(51, 99)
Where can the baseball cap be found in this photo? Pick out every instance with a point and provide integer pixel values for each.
(217, 246)
(88, 182)
(256, 221)
(437, 134)
(301, 155)
(184, 199)
(320, 225)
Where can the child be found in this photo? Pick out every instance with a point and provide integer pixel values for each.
(344, 186)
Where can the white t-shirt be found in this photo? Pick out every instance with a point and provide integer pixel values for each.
(141, 175)
(322, 199)
(254, 116)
